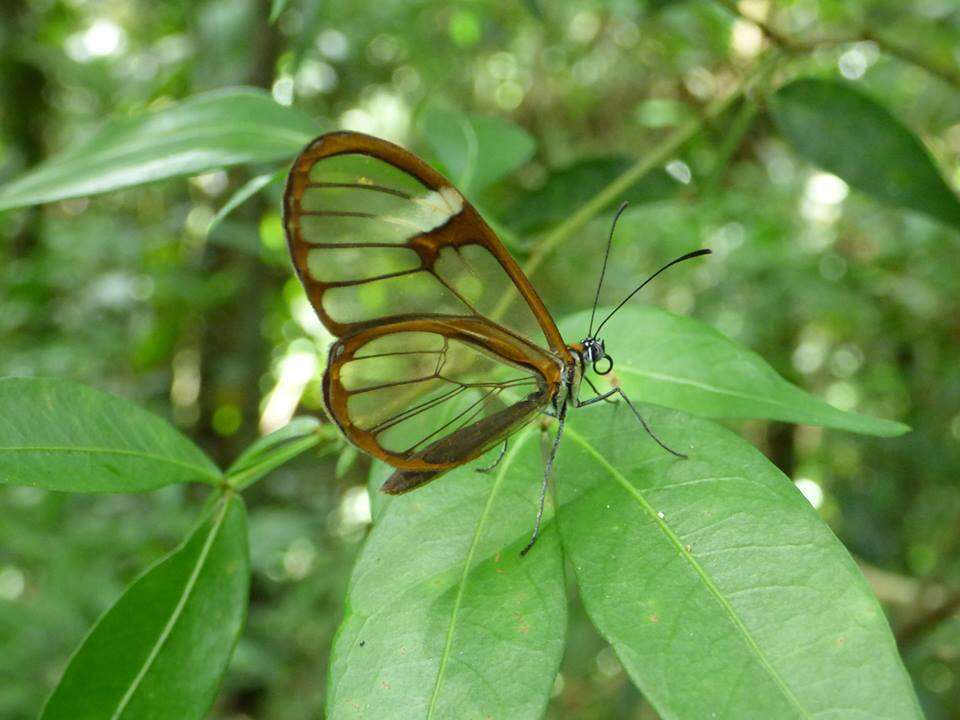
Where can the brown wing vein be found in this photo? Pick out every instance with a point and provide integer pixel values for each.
(415, 410)
(360, 186)
(398, 383)
(397, 354)
(455, 419)
(375, 278)
(454, 291)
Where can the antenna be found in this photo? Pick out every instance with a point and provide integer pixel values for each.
(603, 270)
(688, 256)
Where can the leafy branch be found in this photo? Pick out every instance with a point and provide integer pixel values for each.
(661, 153)
(889, 128)
(641, 167)
(794, 45)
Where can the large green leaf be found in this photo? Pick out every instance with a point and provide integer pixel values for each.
(60, 435)
(853, 136)
(212, 130)
(681, 363)
(476, 151)
(717, 584)
(576, 184)
(161, 650)
(444, 618)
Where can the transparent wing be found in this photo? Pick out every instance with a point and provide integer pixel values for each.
(375, 234)
(431, 394)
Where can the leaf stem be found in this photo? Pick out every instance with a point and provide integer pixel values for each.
(244, 478)
(735, 134)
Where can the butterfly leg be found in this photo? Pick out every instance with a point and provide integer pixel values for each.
(621, 393)
(561, 417)
(594, 388)
(503, 451)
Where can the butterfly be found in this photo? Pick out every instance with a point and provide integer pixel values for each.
(443, 347)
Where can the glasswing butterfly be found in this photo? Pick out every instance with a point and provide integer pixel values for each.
(443, 346)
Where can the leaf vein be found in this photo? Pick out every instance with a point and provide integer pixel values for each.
(458, 601)
(707, 581)
(110, 451)
(177, 611)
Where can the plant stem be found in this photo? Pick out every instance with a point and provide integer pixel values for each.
(735, 134)
(632, 175)
(948, 74)
(243, 479)
(925, 624)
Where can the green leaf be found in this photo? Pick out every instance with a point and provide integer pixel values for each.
(534, 9)
(208, 131)
(162, 649)
(279, 447)
(444, 618)
(847, 133)
(276, 9)
(576, 184)
(60, 435)
(476, 151)
(681, 363)
(244, 193)
(717, 584)
(656, 6)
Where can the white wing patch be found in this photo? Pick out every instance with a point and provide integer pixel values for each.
(429, 211)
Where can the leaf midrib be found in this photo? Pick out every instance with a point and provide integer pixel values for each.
(177, 611)
(458, 601)
(821, 412)
(711, 587)
(97, 162)
(94, 450)
(628, 369)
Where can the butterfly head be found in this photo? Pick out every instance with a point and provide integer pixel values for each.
(594, 351)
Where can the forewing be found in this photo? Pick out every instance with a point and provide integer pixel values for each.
(375, 234)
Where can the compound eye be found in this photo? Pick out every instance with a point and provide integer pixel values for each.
(603, 370)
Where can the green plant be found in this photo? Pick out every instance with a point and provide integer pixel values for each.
(176, 626)
(719, 587)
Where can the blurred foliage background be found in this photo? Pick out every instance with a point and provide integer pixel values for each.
(856, 302)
